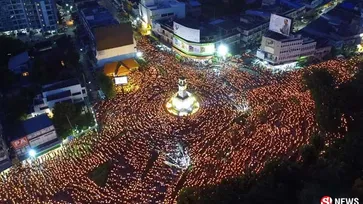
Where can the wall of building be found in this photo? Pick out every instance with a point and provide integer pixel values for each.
(78, 94)
(105, 56)
(153, 13)
(308, 49)
(42, 136)
(279, 52)
(28, 14)
(322, 52)
(34, 140)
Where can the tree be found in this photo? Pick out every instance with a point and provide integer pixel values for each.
(7, 79)
(309, 154)
(107, 85)
(10, 47)
(63, 119)
(322, 88)
(349, 50)
(17, 106)
(68, 117)
(317, 142)
(71, 56)
(303, 61)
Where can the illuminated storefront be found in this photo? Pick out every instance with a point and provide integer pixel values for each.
(193, 49)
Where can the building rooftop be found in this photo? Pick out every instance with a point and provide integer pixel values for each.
(194, 3)
(113, 36)
(227, 24)
(337, 24)
(275, 36)
(18, 60)
(130, 63)
(60, 84)
(248, 22)
(96, 15)
(29, 126)
(110, 68)
(266, 11)
(166, 4)
(59, 95)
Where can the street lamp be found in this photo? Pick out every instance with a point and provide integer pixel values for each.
(222, 50)
(138, 54)
(32, 153)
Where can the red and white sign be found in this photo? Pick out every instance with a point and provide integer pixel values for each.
(326, 200)
(329, 200)
(20, 143)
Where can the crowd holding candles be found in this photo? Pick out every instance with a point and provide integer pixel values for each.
(136, 126)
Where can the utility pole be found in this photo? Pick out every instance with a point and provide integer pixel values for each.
(69, 121)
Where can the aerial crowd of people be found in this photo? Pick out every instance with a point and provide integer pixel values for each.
(137, 132)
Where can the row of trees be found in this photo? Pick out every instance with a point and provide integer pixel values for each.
(337, 172)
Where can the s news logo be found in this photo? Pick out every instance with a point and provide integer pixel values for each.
(329, 200)
(326, 200)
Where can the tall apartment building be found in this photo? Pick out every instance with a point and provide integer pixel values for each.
(22, 15)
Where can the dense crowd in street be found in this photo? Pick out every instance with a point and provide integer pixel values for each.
(137, 131)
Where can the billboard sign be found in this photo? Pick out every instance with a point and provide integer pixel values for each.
(280, 24)
(121, 80)
(196, 49)
(189, 34)
(20, 143)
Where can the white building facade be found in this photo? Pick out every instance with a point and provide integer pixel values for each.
(152, 10)
(282, 50)
(115, 54)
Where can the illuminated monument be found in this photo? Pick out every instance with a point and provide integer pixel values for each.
(182, 103)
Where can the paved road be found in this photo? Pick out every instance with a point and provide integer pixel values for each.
(319, 11)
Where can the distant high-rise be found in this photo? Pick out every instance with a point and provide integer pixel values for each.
(18, 15)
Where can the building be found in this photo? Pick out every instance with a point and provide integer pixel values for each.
(63, 91)
(93, 15)
(277, 49)
(37, 133)
(340, 26)
(269, 2)
(20, 64)
(119, 71)
(193, 8)
(196, 39)
(4, 152)
(24, 15)
(254, 23)
(252, 29)
(293, 11)
(313, 3)
(114, 43)
(154, 10)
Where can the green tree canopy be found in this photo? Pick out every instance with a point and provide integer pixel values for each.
(107, 85)
(322, 88)
(10, 47)
(68, 116)
(64, 116)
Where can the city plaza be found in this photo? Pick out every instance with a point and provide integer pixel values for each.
(154, 153)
